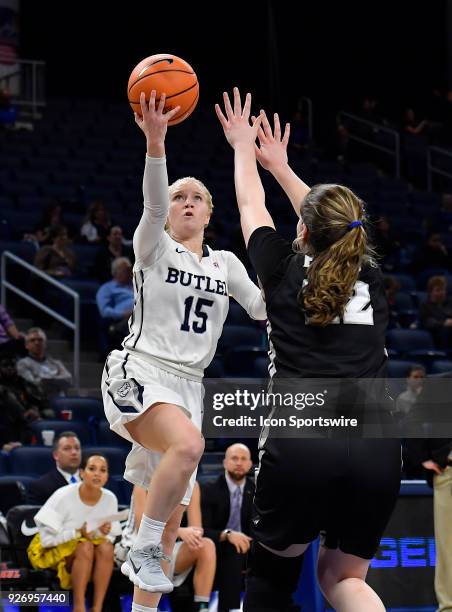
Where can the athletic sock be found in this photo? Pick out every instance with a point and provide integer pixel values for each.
(149, 533)
(200, 603)
(139, 608)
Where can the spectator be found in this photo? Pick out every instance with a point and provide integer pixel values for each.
(414, 385)
(109, 252)
(432, 255)
(226, 511)
(115, 301)
(19, 396)
(67, 455)
(191, 550)
(97, 223)
(63, 542)
(52, 216)
(392, 286)
(386, 243)
(11, 339)
(56, 259)
(435, 457)
(40, 369)
(8, 112)
(436, 312)
(14, 430)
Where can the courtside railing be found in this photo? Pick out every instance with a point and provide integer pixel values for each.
(27, 86)
(439, 161)
(74, 324)
(372, 135)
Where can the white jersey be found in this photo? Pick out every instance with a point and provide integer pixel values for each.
(181, 302)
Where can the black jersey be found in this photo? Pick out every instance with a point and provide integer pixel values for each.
(353, 347)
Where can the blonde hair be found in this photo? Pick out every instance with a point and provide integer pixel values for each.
(338, 251)
(174, 187)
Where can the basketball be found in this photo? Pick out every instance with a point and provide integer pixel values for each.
(167, 74)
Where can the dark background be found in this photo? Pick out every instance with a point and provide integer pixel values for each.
(278, 50)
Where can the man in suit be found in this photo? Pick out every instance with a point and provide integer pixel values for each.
(226, 507)
(68, 455)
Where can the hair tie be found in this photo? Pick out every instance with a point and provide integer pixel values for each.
(353, 224)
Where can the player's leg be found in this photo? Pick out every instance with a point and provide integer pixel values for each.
(342, 580)
(273, 577)
(166, 429)
(163, 428)
(151, 600)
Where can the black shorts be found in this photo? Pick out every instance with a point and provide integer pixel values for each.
(345, 489)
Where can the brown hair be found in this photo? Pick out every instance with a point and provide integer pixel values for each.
(436, 281)
(338, 251)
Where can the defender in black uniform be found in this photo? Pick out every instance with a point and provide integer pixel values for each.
(327, 319)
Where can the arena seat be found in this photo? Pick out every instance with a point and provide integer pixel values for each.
(441, 367)
(399, 368)
(83, 408)
(238, 335)
(80, 428)
(32, 460)
(106, 437)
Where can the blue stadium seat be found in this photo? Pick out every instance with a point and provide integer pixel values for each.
(237, 315)
(215, 369)
(414, 344)
(107, 437)
(406, 282)
(83, 408)
(25, 480)
(403, 301)
(238, 335)
(441, 366)
(240, 361)
(397, 368)
(4, 463)
(116, 457)
(419, 297)
(261, 367)
(32, 460)
(121, 488)
(79, 428)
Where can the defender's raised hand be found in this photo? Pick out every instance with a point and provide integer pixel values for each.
(272, 150)
(236, 123)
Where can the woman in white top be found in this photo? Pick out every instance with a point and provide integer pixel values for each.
(152, 389)
(63, 542)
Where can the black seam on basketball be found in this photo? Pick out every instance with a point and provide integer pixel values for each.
(168, 97)
(158, 72)
(185, 113)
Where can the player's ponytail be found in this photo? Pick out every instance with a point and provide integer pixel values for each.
(337, 241)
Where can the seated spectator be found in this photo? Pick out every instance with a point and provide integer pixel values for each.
(40, 369)
(11, 339)
(20, 396)
(67, 454)
(97, 223)
(191, 550)
(107, 253)
(412, 125)
(56, 259)
(63, 542)
(386, 243)
(52, 216)
(226, 512)
(8, 112)
(14, 429)
(392, 286)
(115, 300)
(433, 254)
(414, 385)
(436, 312)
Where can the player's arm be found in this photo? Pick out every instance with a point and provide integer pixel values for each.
(242, 289)
(154, 124)
(248, 186)
(272, 155)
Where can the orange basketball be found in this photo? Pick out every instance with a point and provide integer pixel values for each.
(167, 74)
